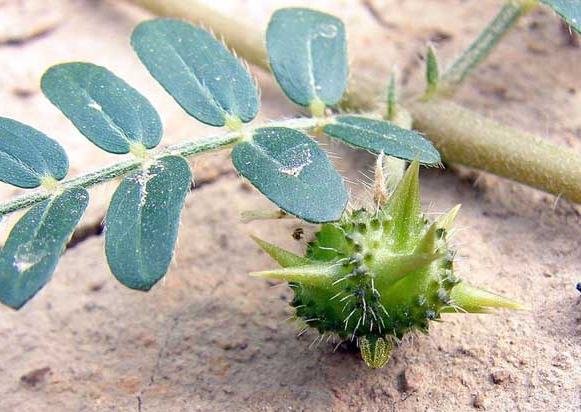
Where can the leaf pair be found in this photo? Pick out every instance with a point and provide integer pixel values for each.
(29, 159)
(211, 85)
(307, 53)
(28, 156)
(308, 56)
(143, 217)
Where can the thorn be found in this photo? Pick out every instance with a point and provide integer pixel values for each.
(396, 267)
(315, 273)
(282, 256)
(346, 321)
(475, 300)
(404, 206)
(380, 196)
(445, 221)
(347, 297)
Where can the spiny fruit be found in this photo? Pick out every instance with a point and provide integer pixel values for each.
(376, 275)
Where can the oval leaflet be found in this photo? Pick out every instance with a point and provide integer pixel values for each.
(292, 171)
(142, 222)
(307, 52)
(105, 109)
(35, 244)
(197, 70)
(27, 155)
(377, 136)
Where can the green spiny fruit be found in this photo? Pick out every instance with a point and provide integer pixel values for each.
(376, 275)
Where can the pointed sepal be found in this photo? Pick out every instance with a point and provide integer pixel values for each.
(428, 243)
(313, 274)
(404, 207)
(474, 300)
(282, 256)
(397, 267)
(447, 220)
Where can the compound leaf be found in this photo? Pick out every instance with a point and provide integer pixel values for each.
(142, 222)
(197, 70)
(568, 10)
(27, 155)
(292, 171)
(104, 108)
(35, 244)
(377, 136)
(308, 55)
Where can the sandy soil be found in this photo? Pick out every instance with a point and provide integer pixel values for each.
(209, 338)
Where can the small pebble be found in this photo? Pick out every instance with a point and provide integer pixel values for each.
(499, 377)
(35, 377)
(478, 401)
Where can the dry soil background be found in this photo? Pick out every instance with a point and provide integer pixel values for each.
(208, 337)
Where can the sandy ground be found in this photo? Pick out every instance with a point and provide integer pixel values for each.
(208, 337)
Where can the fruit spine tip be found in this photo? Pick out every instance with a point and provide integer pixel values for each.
(404, 204)
(308, 274)
(447, 220)
(474, 300)
(428, 244)
(283, 257)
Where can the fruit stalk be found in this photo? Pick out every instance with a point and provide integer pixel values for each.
(464, 137)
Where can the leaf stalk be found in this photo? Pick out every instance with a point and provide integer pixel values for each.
(473, 140)
(186, 149)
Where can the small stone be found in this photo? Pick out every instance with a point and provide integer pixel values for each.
(237, 344)
(408, 381)
(478, 400)
(537, 48)
(35, 377)
(498, 377)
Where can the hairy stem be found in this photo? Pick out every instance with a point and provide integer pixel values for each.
(473, 140)
(185, 149)
(506, 18)
(463, 136)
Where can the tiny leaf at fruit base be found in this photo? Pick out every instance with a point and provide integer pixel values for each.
(35, 244)
(104, 108)
(379, 136)
(568, 10)
(292, 171)
(207, 81)
(308, 55)
(432, 72)
(28, 156)
(143, 219)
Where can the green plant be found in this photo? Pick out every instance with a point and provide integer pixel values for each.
(461, 135)
(378, 274)
(211, 85)
(306, 52)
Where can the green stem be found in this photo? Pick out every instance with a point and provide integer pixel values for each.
(185, 149)
(506, 18)
(473, 140)
(363, 92)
